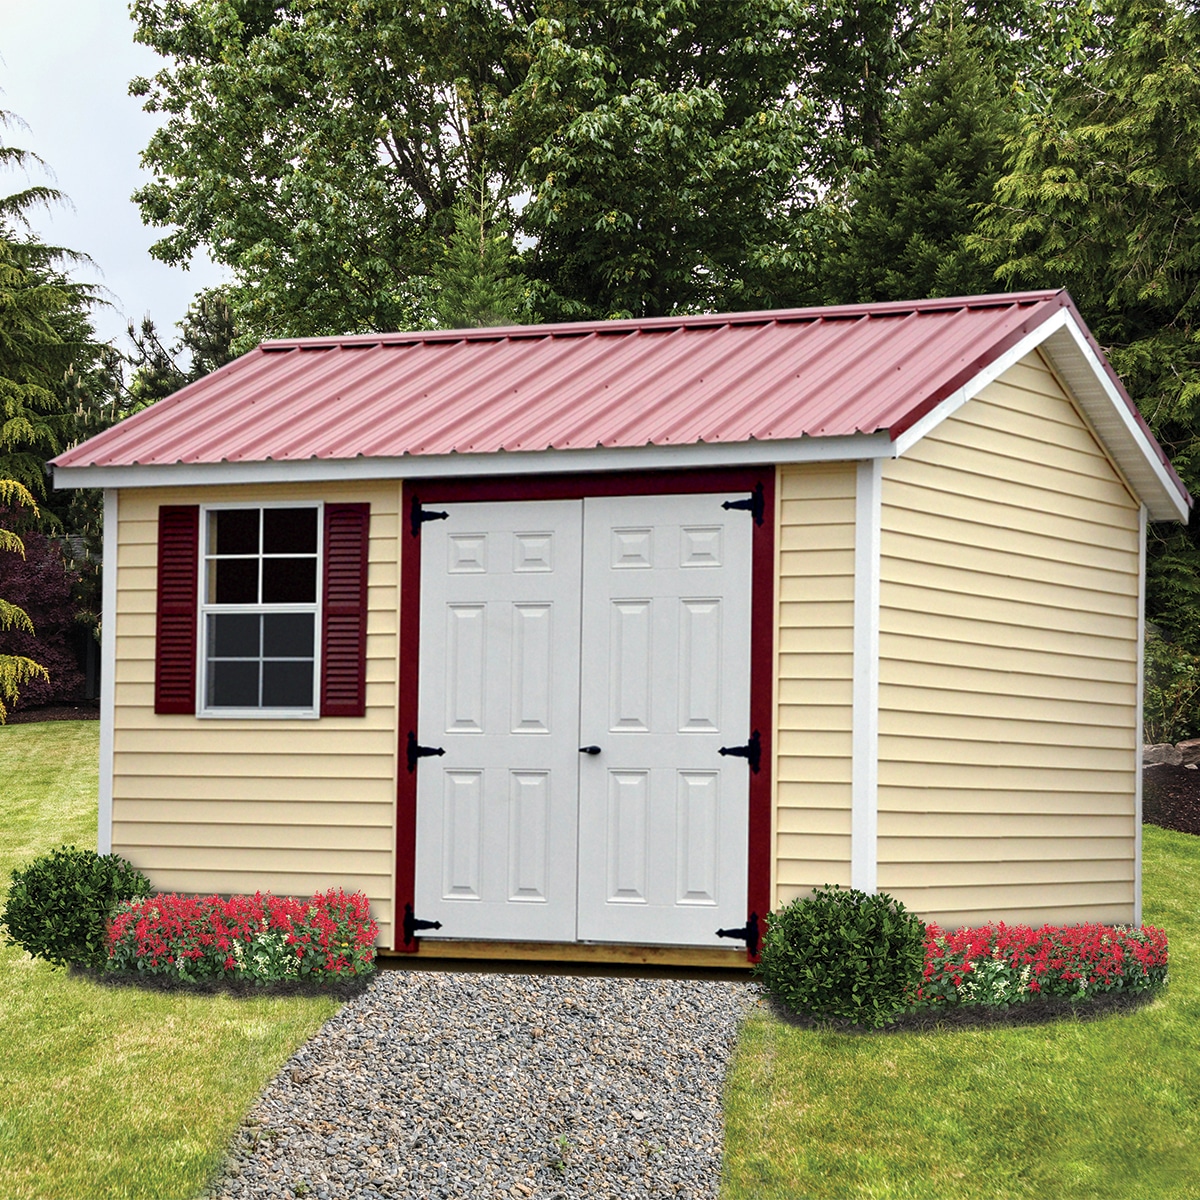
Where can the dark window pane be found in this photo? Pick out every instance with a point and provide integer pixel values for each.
(287, 684)
(233, 685)
(233, 635)
(289, 531)
(289, 580)
(233, 581)
(288, 635)
(233, 531)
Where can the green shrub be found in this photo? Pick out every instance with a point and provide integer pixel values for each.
(842, 953)
(60, 904)
(1171, 703)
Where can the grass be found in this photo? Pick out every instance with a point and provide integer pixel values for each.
(1109, 1108)
(117, 1094)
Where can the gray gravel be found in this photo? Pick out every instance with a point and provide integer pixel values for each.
(440, 1085)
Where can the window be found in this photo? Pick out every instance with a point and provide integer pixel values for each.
(258, 609)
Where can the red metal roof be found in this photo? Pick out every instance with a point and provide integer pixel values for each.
(664, 382)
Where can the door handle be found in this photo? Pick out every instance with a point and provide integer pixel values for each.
(589, 749)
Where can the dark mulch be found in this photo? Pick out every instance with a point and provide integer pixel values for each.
(1040, 1010)
(85, 710)
(242, 989)
(1171, 798)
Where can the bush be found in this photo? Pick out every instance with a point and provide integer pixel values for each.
(1171, 703)
(1008, 964)
(60, 904)
(840, 953)
(261, 938)
(41, 584)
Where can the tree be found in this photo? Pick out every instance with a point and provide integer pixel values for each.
(15, 669)
(668, 158)
(475, 282)
(208, 337)
(317, 149)
(647, 158)
(1102, 196)
(910, 215)
(43, 334)
(58, 384)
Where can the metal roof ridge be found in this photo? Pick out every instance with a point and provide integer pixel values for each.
(651, 324)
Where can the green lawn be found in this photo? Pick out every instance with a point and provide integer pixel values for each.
(107, 1093)
(1107, 1109)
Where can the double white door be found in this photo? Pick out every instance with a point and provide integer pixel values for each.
(583, 662)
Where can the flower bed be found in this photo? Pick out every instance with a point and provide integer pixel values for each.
(259, 939)
(1009, 964)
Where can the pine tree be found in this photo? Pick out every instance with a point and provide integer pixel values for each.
(474, 282)
(941, 156)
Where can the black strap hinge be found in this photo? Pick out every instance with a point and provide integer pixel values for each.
(751, 752)
(418, 515)
(755, 504)
(416, 751)
(748, 933)
(412, 925)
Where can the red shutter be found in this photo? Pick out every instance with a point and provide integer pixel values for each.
(344, 611)
(175, 630)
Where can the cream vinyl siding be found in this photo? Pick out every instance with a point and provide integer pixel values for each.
(225, 805)
(1008, 666)
(814, 677)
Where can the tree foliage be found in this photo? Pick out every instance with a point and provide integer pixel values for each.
(1102, 196)
(47, 352)
(44, 589)
(16, 670)
(208, 337)
(476, 283)
(648, 158)
(911, 213)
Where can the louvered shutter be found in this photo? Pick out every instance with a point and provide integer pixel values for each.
(344, 611)
(175, 629)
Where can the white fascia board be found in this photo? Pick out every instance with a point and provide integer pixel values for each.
(1138, 721)
(1073, 357)
(864, 786)
(108, 669)
(952, 403)
(502, 463)
(1116, 426)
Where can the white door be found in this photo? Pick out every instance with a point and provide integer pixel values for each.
(521, 834)
(663, 815)
(499, 693)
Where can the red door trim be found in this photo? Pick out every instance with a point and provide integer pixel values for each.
(576, 487)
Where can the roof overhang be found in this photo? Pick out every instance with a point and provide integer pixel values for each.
(502, 463)
(1074, 356)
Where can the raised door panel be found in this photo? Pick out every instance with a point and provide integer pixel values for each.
(665, 680)
(499, 693)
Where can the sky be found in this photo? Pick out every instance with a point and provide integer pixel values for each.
(65, 67)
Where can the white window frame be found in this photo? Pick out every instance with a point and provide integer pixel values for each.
(204, 609)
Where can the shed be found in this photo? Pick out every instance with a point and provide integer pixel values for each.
(601, 640)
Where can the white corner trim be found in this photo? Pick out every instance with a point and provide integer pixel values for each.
(864, 803)
(990, 373)
(108, 669)
(501, 463)
(1138, 723)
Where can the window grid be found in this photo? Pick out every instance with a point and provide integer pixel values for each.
(209, 608)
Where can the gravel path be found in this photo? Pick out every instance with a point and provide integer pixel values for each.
(442, 1086)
